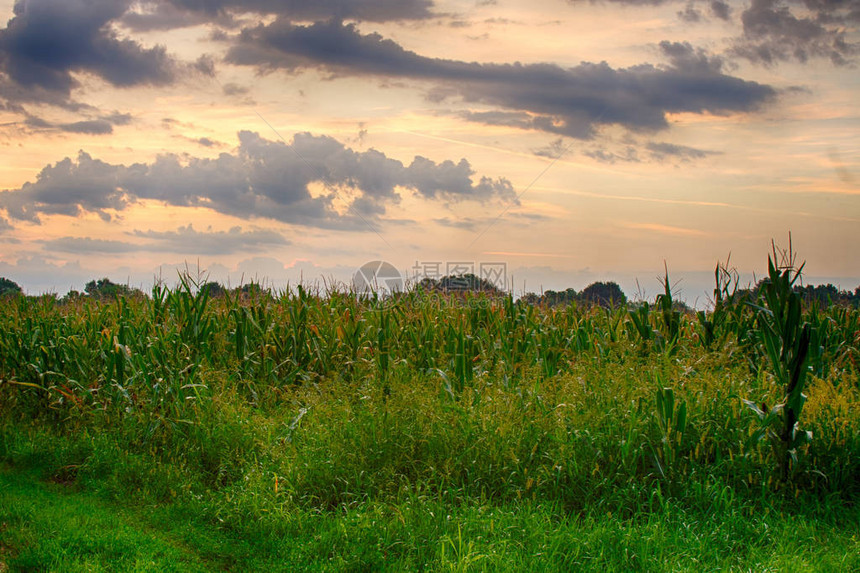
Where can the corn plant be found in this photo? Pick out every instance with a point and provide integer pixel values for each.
(550, 343)
(712, 326)
(640, 318)
(785, 337)
(671, 418)
(383, 350)
(670, 318)
(196, 324)
(463, 353)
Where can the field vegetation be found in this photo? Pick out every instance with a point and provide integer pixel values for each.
(195, 429)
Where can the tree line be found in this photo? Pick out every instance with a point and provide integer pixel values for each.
(606, 294)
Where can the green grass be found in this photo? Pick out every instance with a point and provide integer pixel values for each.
(48, 526)
(58, 527)
(322, 432)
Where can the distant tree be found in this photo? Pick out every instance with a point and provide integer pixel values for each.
(106, 289)
(458, 284)
(749, 294)
(8, 287)
(427, 284)
(531, 298)
(551, 298)
(215, 289)
(601, 293)
(467, 283)
(554, 298)
(72, 296)
(824, 295)
(607, 294)
(250, 291)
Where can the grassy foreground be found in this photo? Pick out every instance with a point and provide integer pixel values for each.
(307, 432)
(58, 527)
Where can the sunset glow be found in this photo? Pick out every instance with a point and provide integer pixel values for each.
(284, 141)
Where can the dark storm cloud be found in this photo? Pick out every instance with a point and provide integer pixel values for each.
(694, 61)
(690, 14)
(777, 31)
(835, 11)
(517, 119)
(90, 127)
(149, 16)
(302, 10)
(452, 181)
(299, 183)
(100, 126)
(774, 32)
(637, 152)
(13, 96)
(825, 11)
(68, 188)
(38, 123)
(47, 44)
(565, 101)
(46, 40)
(168, 14)
(721, 9)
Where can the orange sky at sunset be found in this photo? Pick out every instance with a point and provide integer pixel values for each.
(573, 141)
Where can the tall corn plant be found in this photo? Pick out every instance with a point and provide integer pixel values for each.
(660, 329)
(712, 325)
(671, 416)
(670, 317)
(199, 323)
(785, 337)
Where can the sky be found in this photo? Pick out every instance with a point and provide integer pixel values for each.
(561, 141)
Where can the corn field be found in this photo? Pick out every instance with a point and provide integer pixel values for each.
(723, 387)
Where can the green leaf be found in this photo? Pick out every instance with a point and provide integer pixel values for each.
(754, 407)
(681, 420)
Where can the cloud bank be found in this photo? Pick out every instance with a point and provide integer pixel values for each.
(565, 101)
(151, 15)
(312, 181)
(777, 31)
(47, 41)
